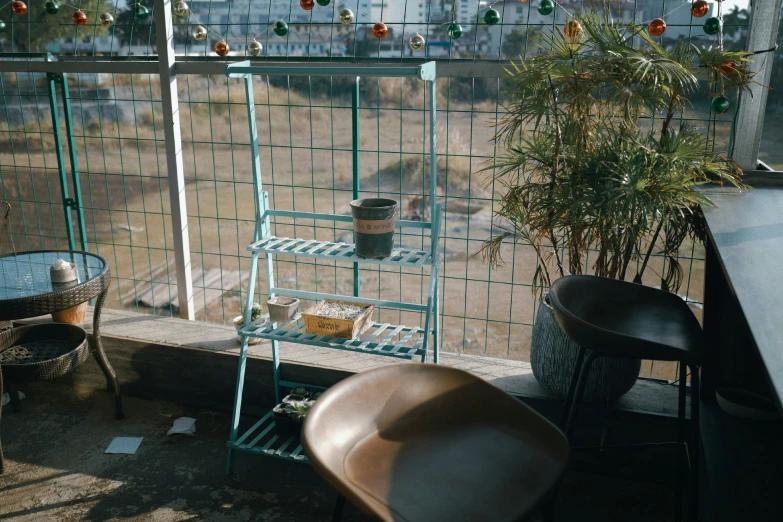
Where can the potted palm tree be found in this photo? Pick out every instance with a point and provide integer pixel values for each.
(598, 173)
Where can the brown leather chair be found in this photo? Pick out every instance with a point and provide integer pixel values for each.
(428, 443)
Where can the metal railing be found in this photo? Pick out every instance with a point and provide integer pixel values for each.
(160, 152)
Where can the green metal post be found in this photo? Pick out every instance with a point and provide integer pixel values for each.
(356, 143)
(52, 80)
(76, 202)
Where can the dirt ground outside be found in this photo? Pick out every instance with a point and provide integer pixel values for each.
(307, 166)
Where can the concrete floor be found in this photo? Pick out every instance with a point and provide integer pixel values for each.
(56, 469)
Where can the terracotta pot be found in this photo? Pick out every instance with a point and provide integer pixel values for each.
(73, 315)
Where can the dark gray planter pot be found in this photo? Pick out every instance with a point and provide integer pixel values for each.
(553, 357)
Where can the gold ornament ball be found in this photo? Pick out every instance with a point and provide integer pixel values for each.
(255, 48)
(346, 16)
(222, 48)
(199, 33)
(307, 5)
(417, 42)
(19, 8)
(79, 18)
(106, 20)
(181, 8)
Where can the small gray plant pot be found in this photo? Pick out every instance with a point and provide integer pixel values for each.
(553, 357)
(282, 309)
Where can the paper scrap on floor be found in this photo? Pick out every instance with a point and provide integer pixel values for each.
(7, 398)
(124, 445)
(184, 426)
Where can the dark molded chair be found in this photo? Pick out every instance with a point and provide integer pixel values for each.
(427, 443)
(611, 318)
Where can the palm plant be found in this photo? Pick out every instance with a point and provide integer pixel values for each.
(593, 157)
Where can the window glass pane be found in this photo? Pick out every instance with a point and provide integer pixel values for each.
(770, 151)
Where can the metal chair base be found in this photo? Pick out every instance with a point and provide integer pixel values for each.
(688, 473)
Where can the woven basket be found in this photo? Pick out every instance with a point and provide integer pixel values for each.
(42, 351)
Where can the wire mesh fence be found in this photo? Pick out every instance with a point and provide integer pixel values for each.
(305, 137)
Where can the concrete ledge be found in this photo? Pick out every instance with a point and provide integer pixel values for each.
(195, 363)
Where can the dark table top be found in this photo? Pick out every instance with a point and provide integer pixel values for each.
(26, 274)
(747, 232)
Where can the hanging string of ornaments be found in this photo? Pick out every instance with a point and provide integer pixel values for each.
(656, 27)
(79, 17)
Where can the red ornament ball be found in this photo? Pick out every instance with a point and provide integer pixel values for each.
(79, 18)
(19, 8)
(700, 8)
(572, 28)
(380, 30)
(728, 69)
(656, 27)
(222, 48)
(307, 5)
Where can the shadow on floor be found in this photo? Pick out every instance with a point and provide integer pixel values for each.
(56, 469)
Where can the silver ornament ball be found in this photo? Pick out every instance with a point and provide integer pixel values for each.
(199, 33)
(106, 20)
(181, 8)
(417, 42)
(255, 48)
(346, 16)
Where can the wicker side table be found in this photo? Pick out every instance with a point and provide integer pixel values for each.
(26, 291)
(39, 352)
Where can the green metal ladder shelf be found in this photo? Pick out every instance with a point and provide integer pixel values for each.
(398, 341)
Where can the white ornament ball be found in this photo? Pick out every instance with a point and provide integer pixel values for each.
(416, 42)
(346, 16)
(106, 20)
(199, 33)
(255, 48)
(181, 8)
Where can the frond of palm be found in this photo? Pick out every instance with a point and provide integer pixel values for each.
(580, 167)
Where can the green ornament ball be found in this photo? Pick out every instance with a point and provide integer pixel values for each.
(2, 26)
(141, 12)
(713, 25)
(491, 17)
(51, 7)
(323, 3)
(720, 104)
(281, 28)
(454, 30)
(545, 7)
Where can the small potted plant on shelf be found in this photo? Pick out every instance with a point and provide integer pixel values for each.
(290, 417)
(300, 390)
(282, 309)
(596, 159)
(239, 322)
(373, 226)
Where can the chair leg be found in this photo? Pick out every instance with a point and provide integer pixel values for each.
(16, 402)
(580, 357)
(693, 450)
(337, 511)
(580, 387)
(548, 510)
(681, 446)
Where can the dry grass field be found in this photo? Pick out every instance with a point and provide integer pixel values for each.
(306, 162)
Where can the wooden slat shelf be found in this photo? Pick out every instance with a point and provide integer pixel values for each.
(377, 339)
(262, 438)
(402, 257)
